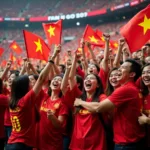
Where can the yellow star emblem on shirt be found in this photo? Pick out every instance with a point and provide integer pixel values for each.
(51, 31)
(14, 46)
(38, 46)
(93, 39)
(145, 24)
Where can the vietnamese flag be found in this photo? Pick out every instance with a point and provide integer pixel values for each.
(15, 47)
(53, 32)
(1, 51)
(35, 46)
(113, 44)
(12, 57)
(91, 36)
(137, 30)
(100, 34)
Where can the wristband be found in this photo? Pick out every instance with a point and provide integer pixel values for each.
(50, 61)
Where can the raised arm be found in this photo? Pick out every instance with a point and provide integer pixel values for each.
(45, 72)
(116, 62)
(5, 72)
(72, 75)
(104, 63)
(65, 79)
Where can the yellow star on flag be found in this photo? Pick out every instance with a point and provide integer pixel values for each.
(93, 39)
(38, 46)
(102, 38)
(145, 24)
(115, 44)
(14, 46)
(51, 31)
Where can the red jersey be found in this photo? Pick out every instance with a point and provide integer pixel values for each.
(7, 121)
(127, 100)
(103, 76)
(88, 133)
(23, 121)
(50, 138)
(146, 110)
(3, 106)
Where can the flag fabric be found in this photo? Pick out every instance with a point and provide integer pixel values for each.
(1, 51)
(12, 57)
(53, 32)
(35, 46)
(15, 47)
(113, 44)
(91, 36)
(137, 30)
(3, 63)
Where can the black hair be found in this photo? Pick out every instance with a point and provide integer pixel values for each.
(98, 91)
(63, 67)
(110, 88)
(19, 88)
(145, 90)
(16, 72)
(35, 76)
(50, 90)
(135, 67)
(80, 82)
(148, 44)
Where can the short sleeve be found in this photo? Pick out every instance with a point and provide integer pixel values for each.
(123, 95)
(28, 100)
(71, 95)
(80, 72)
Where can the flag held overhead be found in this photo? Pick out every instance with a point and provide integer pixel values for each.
(35, 46)
(137, 30)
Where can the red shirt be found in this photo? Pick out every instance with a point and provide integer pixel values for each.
(88, 133)
(71, 95)
(50, 138)
(103, 76)
(146, 109)
(127, 100)
(3, 106)
(23, 121)
(80, 72)
(7, 121)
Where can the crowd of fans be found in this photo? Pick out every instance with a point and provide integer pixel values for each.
(46, 7)
(94, 102)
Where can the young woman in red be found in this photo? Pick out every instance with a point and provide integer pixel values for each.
(22, 103)
(145, 118)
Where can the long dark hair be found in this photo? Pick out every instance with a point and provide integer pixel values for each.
(109, 88)
(80, 82)
(99, 90)
(145, 90)
(19, 88)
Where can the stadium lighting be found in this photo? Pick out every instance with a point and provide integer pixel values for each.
(26, 25)
(78, 23)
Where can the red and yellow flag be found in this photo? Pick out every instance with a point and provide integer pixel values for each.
(1, 51)
(91, 36)
(12, 57)
(35, 46)
(137, 30)
(53, 32)
(15, 47)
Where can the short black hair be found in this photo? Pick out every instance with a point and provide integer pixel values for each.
(148, 44)
(135, 67)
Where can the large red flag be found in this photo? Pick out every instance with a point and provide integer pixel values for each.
(53, 32)
(15, 47)
(1, 51)
(35, 46)
(137, 30)
(91, 36)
